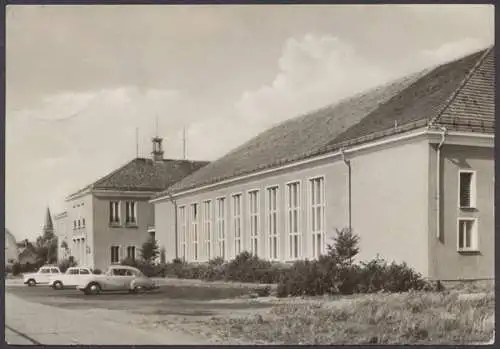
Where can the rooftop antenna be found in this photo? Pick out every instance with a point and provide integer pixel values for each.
(156, 126)
(184, 142)
(137, 142)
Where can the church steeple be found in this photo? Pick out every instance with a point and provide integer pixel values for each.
(48, 227)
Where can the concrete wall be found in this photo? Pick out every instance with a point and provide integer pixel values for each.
(446, 262)
(389, 204)
(106, 235)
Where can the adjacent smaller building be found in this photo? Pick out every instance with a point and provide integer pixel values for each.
(110, 219)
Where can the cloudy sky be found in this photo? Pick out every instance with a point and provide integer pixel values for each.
(81, 79)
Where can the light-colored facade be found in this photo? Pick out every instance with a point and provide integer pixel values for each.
(102, 235)
(392, 207)
(64, 236)
(409, 167)
(110, 220)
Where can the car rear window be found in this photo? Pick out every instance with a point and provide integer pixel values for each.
(54, 271)
(44, 271)
(84, 271)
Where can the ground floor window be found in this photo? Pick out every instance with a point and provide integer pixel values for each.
(131, 252)
(115, 254)
(467, 234)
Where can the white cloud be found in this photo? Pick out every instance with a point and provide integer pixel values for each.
(313, 72)
(450, 51)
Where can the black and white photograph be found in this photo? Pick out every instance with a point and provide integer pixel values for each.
(314, 174)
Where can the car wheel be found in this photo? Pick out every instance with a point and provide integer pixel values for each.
(139, 289)
(93, 288)
(58, 285)
(31, 282)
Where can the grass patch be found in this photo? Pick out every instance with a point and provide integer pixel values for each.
(448, 317)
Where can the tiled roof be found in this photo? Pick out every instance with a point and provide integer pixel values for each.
(143, 174)
(415, 100)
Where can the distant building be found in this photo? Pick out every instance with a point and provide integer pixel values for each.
(10, 248)
(409, 166)
(64, 234)
(110, 219)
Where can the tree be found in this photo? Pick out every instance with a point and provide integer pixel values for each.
(346, 246)
(150, 251)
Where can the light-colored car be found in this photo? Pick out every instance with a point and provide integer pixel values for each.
(71, 278)
(117, 278)
(42, 276)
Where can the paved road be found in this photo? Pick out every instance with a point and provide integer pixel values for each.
(52, 316)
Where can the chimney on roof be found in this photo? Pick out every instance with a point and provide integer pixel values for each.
(157, 153)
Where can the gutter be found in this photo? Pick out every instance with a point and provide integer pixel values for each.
(349, 207)
(438, 182)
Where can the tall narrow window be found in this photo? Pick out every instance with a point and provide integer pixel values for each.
(272, 222)
(130, 212)
(194, 231)
(114, 212)
(467, 234)
(115, 254)
(237, 223)
(207, 227)
(131, 252)
(221, 227)
(293, 219)
(467, 189)
(183, 231)
(316, 214)
(253, 202)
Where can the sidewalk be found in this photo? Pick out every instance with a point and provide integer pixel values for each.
(56, 326)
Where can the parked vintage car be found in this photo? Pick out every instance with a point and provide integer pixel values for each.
(71, 278)
(117, 278)
(42, 276)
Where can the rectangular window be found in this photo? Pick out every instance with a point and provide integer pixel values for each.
(207, 227)
(467, 234)
(254, 207)
(467, 189)
(194, 230)
(130, 212)
(317, 214)
(272, 222)
(237, 223)
(114, 212)
(183, 231)
(83, 222)
(221, 227)
(115, 254)
(131, 252)
(293, 220)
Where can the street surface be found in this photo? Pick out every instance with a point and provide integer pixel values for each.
(41, 314)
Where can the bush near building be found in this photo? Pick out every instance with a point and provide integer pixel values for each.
(333, 273)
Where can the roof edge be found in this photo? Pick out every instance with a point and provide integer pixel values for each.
(464, 81)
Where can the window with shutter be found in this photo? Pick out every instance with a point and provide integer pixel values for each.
(466, 188)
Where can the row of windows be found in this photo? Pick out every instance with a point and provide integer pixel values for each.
(201, 246)
(116, 256)
(78, 223)
(115, 212)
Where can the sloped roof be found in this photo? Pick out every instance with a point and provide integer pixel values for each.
(433, 94)
(143, 174)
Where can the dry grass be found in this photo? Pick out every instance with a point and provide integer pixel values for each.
(461, 315)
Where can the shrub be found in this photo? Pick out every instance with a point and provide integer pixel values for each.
(246, 267)
(336, 273)
(67, 263)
